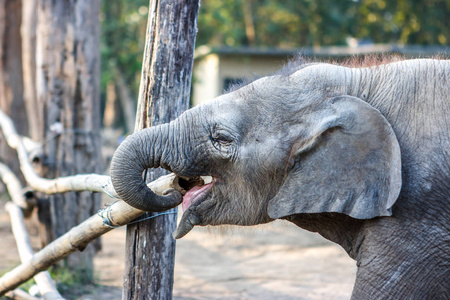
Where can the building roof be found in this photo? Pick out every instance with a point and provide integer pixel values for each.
(329, 51)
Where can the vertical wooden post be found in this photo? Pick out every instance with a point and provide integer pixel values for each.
(163, 96)
(68, 91)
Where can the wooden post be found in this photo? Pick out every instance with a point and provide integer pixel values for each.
(163, 96)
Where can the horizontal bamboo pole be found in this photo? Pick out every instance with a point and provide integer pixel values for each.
(117, 214)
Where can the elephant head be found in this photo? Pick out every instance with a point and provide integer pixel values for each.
(282, 145)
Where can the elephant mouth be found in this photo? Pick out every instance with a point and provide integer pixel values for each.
(195, 190)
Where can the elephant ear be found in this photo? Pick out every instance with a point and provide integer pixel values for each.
(348, 162)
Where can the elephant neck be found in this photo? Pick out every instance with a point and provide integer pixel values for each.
(402, 260)
(362, 83)
(338, 228)
(391, 87)
(393, 262)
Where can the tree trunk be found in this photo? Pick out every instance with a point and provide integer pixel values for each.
(68, 71)
(11, 84)
(163, 96)
(28, 32)
(110, 115)
(249, 23)
(127, 102)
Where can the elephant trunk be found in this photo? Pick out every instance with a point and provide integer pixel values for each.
(140, 151)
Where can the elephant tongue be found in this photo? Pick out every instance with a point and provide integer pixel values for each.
(194, 194)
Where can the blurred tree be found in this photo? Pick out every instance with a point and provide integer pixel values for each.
(123, 24)
(11, 83)
(404, 21)
(35, 115)
(67, 87)
(297, 23)
(271, 23)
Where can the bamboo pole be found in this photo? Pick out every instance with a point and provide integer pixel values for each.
(115, 215)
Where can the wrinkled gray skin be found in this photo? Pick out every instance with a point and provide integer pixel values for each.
(332, 149)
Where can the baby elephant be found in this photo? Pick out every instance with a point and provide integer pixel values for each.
(359, 155)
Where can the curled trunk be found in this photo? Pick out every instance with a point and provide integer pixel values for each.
(141, 151)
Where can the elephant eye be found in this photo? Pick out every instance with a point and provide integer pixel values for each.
(222, 141)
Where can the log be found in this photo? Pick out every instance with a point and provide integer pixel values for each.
(68, 91)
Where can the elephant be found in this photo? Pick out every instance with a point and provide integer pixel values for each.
(358, 154)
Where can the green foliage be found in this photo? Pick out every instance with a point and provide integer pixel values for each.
(72, 283)
(297, 23)
(276, 23)
(123, 34)
(123, 25)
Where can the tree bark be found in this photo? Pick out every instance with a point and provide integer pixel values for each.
(28, 32)
(163, 96)
(110, 106)
(249, 22)
(127, 102)
(68, 71)
(11, 84)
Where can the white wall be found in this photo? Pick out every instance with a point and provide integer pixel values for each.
(211, 71)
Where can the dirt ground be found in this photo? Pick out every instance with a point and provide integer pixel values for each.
(276, 261)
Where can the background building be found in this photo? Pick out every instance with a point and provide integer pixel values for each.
(216, 68)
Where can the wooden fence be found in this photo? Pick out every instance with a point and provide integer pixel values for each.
(115, 215)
